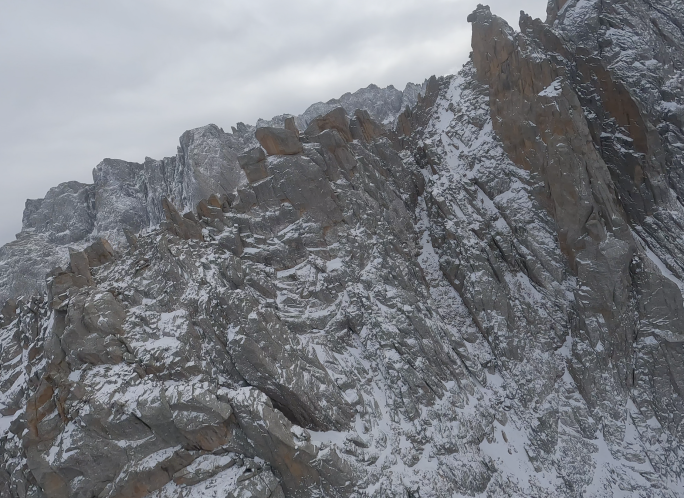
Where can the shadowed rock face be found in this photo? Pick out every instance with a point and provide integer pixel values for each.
(481, 298)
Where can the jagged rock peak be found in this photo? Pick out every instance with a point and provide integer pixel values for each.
(128, 196)
(383, 104)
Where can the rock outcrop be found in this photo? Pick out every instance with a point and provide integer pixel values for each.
(383, 104)
(127, 196)
(336, 119)
(481, 297)
(278, 141)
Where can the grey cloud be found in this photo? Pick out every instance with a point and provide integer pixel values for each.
(81, 81)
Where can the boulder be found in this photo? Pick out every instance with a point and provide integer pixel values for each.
(191, 217)
(58, 284)
(99, 253)
(335, 120)
(230, 240)
(60, 281)
(300, 181)
(215, 201)
(335, 154)
(278, 141)
(207, 211)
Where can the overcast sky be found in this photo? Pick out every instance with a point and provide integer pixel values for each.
(84, 80)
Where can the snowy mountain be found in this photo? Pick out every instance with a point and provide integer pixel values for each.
(480, 295)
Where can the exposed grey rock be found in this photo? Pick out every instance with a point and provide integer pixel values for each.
(65, 213)
(128, 196)
(99, 253)
(383, 104)
(485, 300)
(8, 312)
(131, 238)
(290, 125)
(93, 324)
(80, 267)
(124, 195)
(252, 162)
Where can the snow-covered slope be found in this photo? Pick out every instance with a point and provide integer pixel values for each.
(484, 301)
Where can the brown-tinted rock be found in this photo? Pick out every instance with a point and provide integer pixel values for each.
(335, 120)
(206, 211)
(530, 96)
(99, 253)
(278, 141)
(362, 127)
(338, 315)
(215, 201)
(190, 216)
(290, 125)
(80, 266)
(228, 201)
(58, 284)
(178, 225)
(537, 114)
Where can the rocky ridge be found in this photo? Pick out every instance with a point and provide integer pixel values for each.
(484, 299)
(128, 196)
(384, 104)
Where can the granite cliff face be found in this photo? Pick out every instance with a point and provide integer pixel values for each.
(480, 295)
